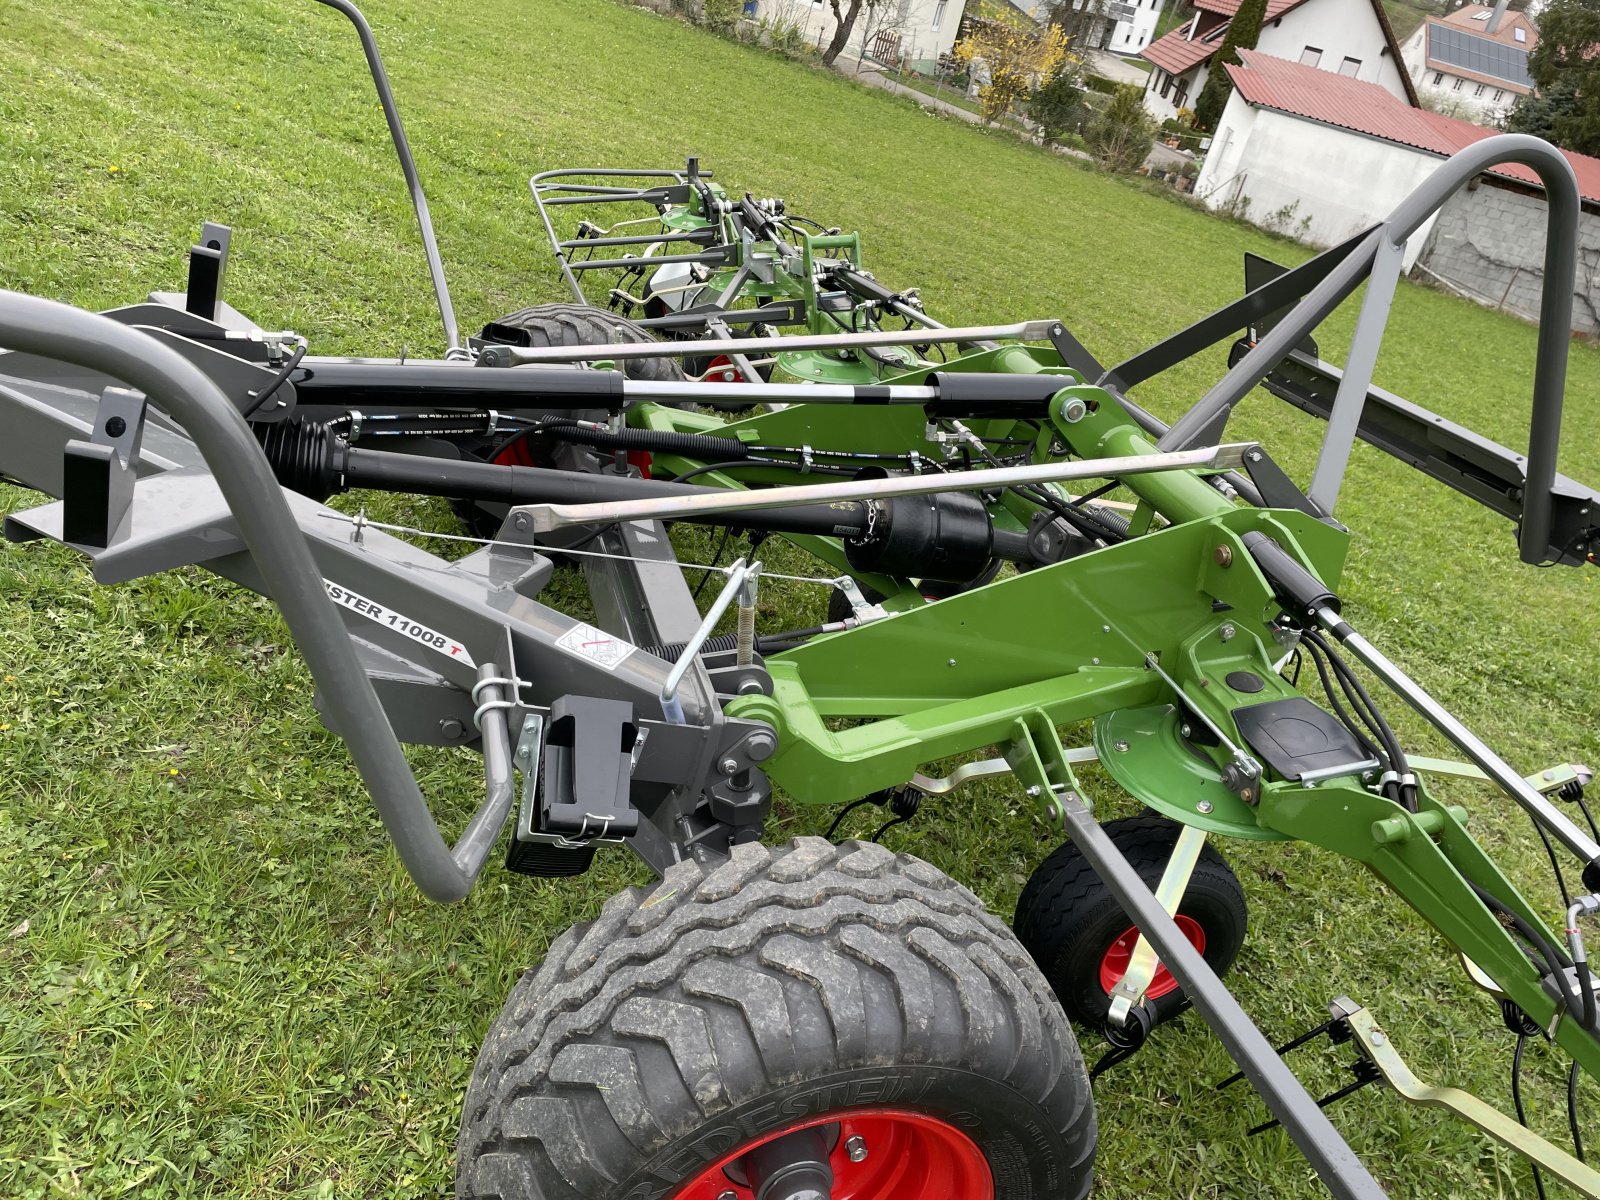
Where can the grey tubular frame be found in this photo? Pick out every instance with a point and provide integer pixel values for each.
(272, 534)
(408, 167)
(1555, 320)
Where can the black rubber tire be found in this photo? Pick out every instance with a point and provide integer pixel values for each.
(722, 1005)
(546, 325)
(1068, 918)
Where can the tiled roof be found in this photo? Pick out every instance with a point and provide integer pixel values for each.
(1476, 17)
(1346, 103)
(1275, 8)
(1174, 53)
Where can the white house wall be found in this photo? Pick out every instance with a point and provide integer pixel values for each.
(1340, 29)
(913, 19)
(1292, 171)
(1130, 37)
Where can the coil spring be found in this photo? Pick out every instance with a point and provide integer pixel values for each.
(1572, 790)
(1517, 1021)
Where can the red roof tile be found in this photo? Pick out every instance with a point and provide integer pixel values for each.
(1275, 8)
(1346, 103)
(1175, 53)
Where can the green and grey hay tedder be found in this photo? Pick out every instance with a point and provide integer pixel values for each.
(817, 1020)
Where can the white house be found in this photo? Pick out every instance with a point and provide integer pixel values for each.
(1122, 27)
(1322, 156)
(1351, 38)
(916, 31)
(1473, 63)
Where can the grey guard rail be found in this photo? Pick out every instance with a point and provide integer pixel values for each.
(539, 184)
(402, 149)
(1555, 314)
(59, 331)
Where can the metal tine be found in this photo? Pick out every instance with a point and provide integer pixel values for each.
(1366, 1073)
(1292, 1044)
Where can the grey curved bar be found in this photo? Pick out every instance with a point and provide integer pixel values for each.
(402, 148)
(1555, 314)
(59, 331)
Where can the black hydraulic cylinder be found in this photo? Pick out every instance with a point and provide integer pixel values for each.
(974, 394)
(374, 385)
(1301, 592)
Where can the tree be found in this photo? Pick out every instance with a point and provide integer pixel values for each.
(1079, 20)
(1015, 55)
(1120, 136)
(1566, 71)
(1243, 31)
(844, 25)
(1057, 107)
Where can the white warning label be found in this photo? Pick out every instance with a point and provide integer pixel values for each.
(401, 624)
(596, 645)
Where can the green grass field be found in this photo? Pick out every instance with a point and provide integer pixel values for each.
(214, 978)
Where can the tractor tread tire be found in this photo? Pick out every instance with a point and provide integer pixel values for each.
(1065, 896)
(671, 1027)
(546, 325)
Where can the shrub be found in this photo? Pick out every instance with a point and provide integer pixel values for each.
(1121, 136)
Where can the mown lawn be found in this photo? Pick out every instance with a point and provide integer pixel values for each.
(217, 981)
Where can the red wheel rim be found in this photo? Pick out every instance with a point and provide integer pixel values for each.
(909, 1156)
(1115, 963)
(721, 370)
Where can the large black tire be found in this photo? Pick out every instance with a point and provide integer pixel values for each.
(1068, 918)
(546, 325)
(721, 1006)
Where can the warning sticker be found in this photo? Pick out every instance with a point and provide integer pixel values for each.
(596, 645)
(403, 625)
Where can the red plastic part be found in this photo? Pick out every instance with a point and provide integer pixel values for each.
(1115, 963)
(909, 1156)
(721, 370)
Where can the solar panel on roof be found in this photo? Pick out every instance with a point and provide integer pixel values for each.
(1484, 56)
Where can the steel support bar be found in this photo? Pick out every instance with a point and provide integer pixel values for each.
(1345, 419)
(408, 167)
(1492, 765)
(1201, 420)
(499, 356)
(548, 517)
(1380, 1052)
(1335, 1163)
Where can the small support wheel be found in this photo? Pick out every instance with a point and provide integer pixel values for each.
(806, 1021)
(1083, 941)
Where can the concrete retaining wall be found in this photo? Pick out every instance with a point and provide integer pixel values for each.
(1488, 243)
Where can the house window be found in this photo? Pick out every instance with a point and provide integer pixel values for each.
(938, 15)
(1349, 67)
(1456, 86)
(1438, 79)
(1499, 95)
(1181, 100)
(1520, 34)
(1166, 86)
(1481, 88)
(1311, 57)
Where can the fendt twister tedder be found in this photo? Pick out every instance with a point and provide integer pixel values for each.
(1012, 547)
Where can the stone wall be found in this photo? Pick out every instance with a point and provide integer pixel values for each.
(1488, 244)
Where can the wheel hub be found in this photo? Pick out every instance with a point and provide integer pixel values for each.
(857, 1154)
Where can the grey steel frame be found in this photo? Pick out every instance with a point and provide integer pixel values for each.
(1378, 255)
